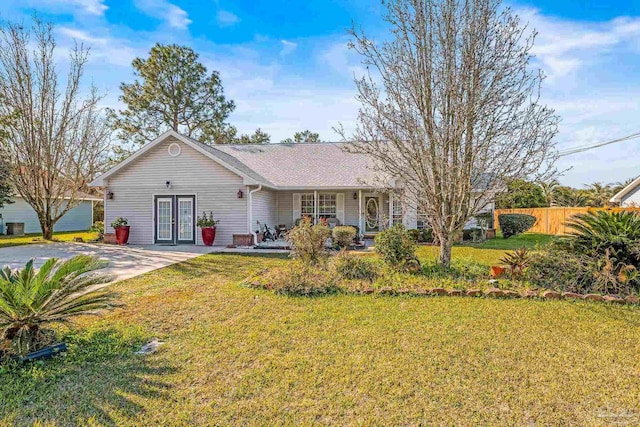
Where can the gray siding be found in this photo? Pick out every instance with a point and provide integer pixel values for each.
(632, 198)
(77, 219)
(214, 186)
(265, 209)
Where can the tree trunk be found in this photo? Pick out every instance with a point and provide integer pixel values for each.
(445, 251)
(47, 228)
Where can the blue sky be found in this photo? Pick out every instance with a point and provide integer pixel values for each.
(287, 66)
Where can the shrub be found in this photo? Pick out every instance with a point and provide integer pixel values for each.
(474, 234)
(296, 279)
(396, 246)
(424, 235)
(308, 242)
(343, 236)
(355, 267)
(98, 227)
(58, 291)
(460, 269)
(514, 224)
(594, 233)
(607, 245)
(558, 270)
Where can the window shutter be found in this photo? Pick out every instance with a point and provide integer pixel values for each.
(297, 201)
(340, 207)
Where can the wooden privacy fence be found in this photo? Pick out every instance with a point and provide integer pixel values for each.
(552, 220)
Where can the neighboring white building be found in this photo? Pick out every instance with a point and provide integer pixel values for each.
(165, 185)
(629, 196)
(79, 218)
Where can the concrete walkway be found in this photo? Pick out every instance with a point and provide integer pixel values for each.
(124, 261)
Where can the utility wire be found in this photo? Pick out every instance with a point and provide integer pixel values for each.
(580, 149)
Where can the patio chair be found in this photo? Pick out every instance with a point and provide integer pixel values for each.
(333, 222)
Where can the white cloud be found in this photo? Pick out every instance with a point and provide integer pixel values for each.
(342, 60)
(564, 47)
(226, 18)
(172, 15)
(287, 47)
(93, 7)
(75, 7)
(82, 36)
(103, 50)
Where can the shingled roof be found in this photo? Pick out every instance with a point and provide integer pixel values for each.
(313, 165)
(279, 166)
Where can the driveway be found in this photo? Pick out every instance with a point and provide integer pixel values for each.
(124, 261)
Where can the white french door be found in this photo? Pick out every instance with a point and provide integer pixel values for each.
(175, 219)
(185, 219)
(164, 219)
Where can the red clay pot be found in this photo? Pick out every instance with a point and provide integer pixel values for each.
(122, 235)
(208, 235)
(497, 271)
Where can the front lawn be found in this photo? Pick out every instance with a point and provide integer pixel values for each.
(488, 252)
(29, 239)
(239, 356)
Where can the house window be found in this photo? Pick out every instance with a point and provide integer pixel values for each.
(307, 205)
(422, 219)
(327, 206)
(396, 211)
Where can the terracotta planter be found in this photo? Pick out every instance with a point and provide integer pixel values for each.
(491, 233)
(122, 234)
(208, 235)
(497, 271)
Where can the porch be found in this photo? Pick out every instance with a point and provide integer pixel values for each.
(363, 208)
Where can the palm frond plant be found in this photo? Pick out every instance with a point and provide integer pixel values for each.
(60, 290)
(611, 242)
(517, 261)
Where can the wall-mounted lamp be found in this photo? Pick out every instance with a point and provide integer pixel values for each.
(110, 195)
(168, 184)
(239, 194)
(355, 195)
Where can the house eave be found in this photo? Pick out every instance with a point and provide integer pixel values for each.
(102, 179)
(617, 198)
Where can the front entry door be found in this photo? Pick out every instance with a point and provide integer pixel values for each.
(372, 213)
(175, 219)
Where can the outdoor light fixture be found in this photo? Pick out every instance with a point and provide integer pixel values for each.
(110, 195)
(168, 184)
(239, 194)
(355, 195)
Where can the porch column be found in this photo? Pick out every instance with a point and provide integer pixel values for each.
(315, 206)
(360, 212)
(390, 208)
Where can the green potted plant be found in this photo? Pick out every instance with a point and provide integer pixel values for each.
(207, 225)
(121, 226)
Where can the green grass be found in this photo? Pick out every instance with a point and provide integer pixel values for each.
(529, 240)
(29, 239)
(488, 252)
(238, 356)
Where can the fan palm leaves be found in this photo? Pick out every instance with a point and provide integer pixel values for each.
(56, 293)
(549, 191)
(599, 194)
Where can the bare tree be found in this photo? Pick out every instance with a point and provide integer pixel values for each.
(57, 138)
(450, 107)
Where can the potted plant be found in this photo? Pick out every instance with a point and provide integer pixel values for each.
(208, 226)
(121, 225)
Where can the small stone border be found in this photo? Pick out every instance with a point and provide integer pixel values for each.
(502, 293)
